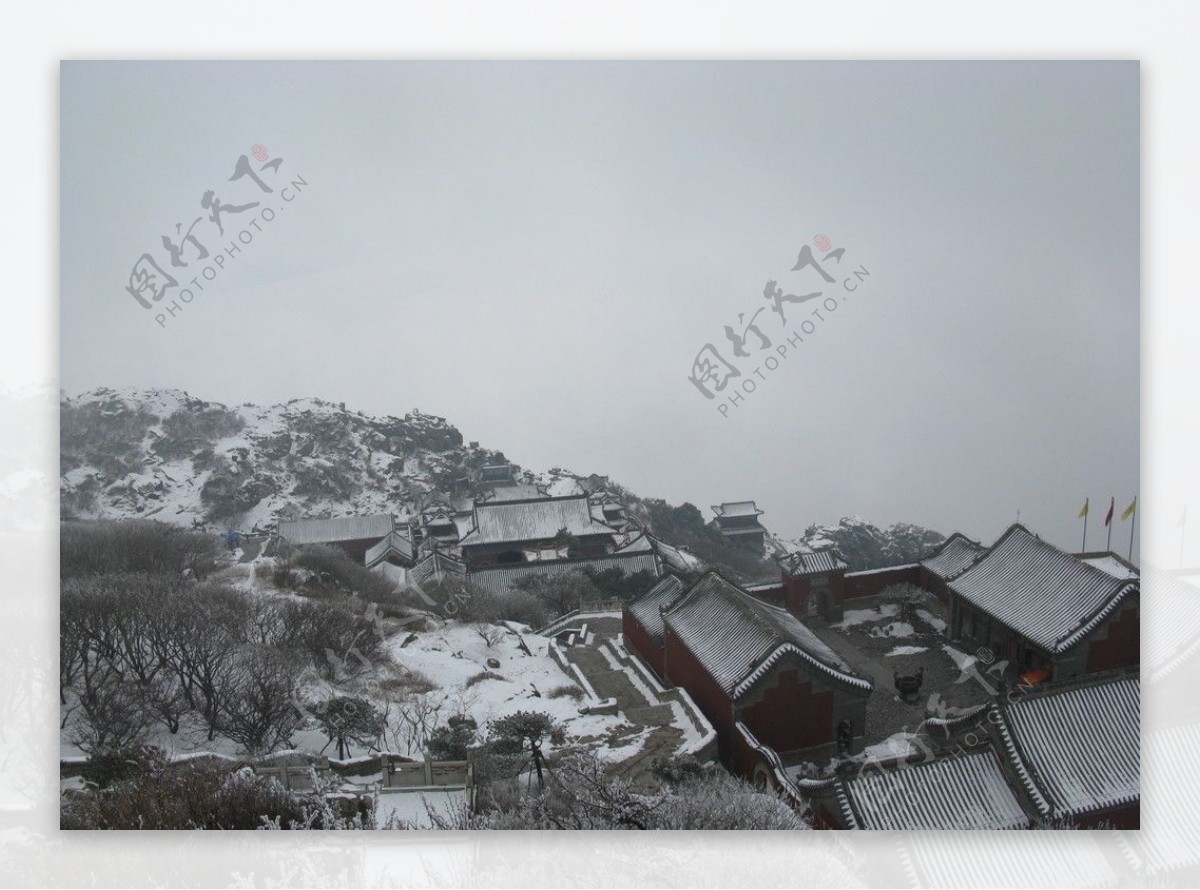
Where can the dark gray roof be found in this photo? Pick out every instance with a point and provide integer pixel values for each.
(496, 473)
(955, 554)
(436, 567)
(533, 521)
(397, 541)
(646, 609)
(963, 792)
(674, 557)
(523, 491)
(501, 579)
(1050, 597)
(814, 562)
(343, 528)
(738, 638)
(1077, 750)
(736, 508)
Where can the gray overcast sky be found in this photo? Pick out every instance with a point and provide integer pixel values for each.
(538, 251)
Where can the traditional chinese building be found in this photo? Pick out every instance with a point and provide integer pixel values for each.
(814, 584)
(637, 559)
(1076, 748)
(511, 532)
(747, 663)
(1059, 756)
(950, 559)
(1036, 606)
(353, 534)
(396, 548)
(954, 792)
(496, 475)
(738, 522)
(642, 624)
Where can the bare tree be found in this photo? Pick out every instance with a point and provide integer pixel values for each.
(110, 717)
(413, 719)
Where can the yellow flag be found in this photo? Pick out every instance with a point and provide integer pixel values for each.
(1130, 510)
(1083, 511)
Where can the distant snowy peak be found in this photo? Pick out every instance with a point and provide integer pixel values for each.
(166, 455)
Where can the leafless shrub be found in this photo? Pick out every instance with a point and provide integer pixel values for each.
(411, 721)
(481, 676)
(490, 634)
(111, 715)
(257, 710)
(200, 795)
(109, 547)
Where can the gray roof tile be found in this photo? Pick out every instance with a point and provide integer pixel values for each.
(736, 637)
(965, 792)
(1050, 597)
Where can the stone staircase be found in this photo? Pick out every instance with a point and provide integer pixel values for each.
(644, 705)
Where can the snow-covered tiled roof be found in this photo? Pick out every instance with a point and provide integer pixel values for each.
(963, 792)
(1112, 564)
(814, 562)
(501, 579)
(736, 508)
(1048, 596)
(436, 567)
(533, 520)
(343, 528)
(676, 558)
(737, 638)
(638, 542)
(1080, 745)
(524, 491)
(955, 554)
(646, 609)
(397, 541)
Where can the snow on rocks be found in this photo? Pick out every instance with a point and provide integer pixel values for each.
(853, 617)
(895, 629)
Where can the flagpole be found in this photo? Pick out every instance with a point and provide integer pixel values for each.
(1108, 520)
(1132, 524)
(1086, 511)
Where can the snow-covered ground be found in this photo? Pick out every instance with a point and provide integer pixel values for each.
(894, 629)
(443, 672)
(415, 809)
(852, 617)
(455, 653)
(907, 650)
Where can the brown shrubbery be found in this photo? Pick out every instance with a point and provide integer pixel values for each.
(142, 644)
